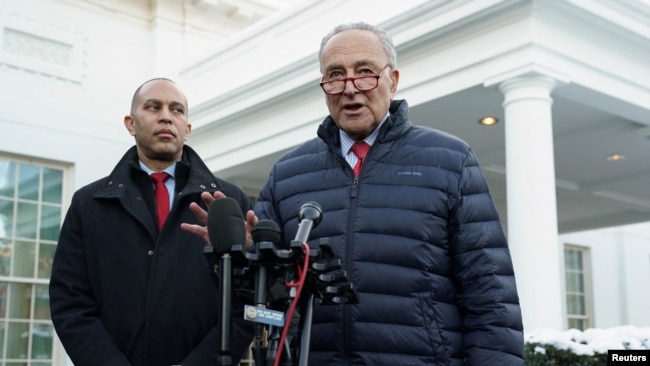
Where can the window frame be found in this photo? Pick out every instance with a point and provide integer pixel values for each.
(585, 277)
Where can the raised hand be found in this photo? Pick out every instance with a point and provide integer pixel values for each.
(202, 215)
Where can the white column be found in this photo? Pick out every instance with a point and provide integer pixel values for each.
(532, 209)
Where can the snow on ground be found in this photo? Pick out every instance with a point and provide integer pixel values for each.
(593, 340)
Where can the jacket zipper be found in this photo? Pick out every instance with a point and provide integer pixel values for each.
(355, 185)
(349, 250)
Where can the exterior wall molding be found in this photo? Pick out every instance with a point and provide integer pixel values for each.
(42, 49)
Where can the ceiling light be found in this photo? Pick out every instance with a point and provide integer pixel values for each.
(616, 157)
(488, 121)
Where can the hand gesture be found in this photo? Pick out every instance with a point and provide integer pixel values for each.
(202, 215)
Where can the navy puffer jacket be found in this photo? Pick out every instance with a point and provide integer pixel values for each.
(421, 241)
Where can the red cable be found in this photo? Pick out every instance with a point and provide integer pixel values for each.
(294, 303)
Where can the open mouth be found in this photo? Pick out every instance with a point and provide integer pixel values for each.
(352, 107)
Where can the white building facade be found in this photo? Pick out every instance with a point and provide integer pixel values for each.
(68, 69)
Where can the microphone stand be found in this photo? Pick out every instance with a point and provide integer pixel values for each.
(225, 358)
(310, 215)
(305, 339)
(322, 274)
(225, 313)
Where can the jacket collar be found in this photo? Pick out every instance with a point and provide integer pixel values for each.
(192, 175)
(395, 126)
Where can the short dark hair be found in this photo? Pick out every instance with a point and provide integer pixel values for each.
(137, 91)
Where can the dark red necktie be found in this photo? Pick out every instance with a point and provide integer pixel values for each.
(360, 149)
(162, 196)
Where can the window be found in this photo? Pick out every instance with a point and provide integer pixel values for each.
(578, 287)
(30, 217)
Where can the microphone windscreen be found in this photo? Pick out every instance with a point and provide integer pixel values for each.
(226, 225)
(266, 230)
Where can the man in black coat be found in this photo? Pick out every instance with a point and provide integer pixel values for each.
(123, 291)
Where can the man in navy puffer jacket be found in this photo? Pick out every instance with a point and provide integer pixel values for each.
(417, 229)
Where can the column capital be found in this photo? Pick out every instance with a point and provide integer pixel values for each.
(530, 87)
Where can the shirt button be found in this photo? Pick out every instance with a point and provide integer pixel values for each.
(150, 252)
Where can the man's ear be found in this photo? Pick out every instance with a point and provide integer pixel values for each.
(394, 77)
(129, 123)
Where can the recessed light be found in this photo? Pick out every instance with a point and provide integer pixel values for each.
(488, 121)
(616, 157)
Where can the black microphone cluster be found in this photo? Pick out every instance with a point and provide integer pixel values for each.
(273, 275)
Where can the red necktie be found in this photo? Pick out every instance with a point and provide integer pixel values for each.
(162, 196)
(360, 149)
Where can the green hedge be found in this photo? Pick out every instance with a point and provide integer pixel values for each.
(548, 355)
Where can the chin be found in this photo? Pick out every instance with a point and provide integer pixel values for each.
(167, 155)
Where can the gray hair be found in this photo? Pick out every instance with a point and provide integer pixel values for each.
(389, 49)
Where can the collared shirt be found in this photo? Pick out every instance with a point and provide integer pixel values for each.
(170, 183)
(347, 142)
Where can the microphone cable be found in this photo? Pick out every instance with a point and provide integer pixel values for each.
(302, 273)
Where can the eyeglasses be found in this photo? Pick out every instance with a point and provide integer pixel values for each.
(363, 83)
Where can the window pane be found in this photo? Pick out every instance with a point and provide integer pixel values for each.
(579, 262)
(20, 296)
(568, 259)
(572, 304)
(52, 185)
(50, 222)
(570, 282)
(3, 329)
(572, 323)
(42, 341)
(581, 305)
(28, 179)
(41, 302)
(3, 302)
(26, 217)
(580, 284)
(7, 178)
(24, 259)
(45, 257)
(17, 340)
(577, 324)
(5, 257)
(6, 218)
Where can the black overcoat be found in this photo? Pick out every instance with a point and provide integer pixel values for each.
(123, 294)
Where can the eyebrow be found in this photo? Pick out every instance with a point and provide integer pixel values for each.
(158, 101)
(355, 65)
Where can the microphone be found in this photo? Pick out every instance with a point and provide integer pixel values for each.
(266, 234)
(310, 215)
(226, 228)
(266, 230)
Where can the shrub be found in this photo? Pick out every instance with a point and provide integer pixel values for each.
(581, 348)
(538, 354)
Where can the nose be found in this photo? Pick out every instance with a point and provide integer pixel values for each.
(165, 114)
(350, 88)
